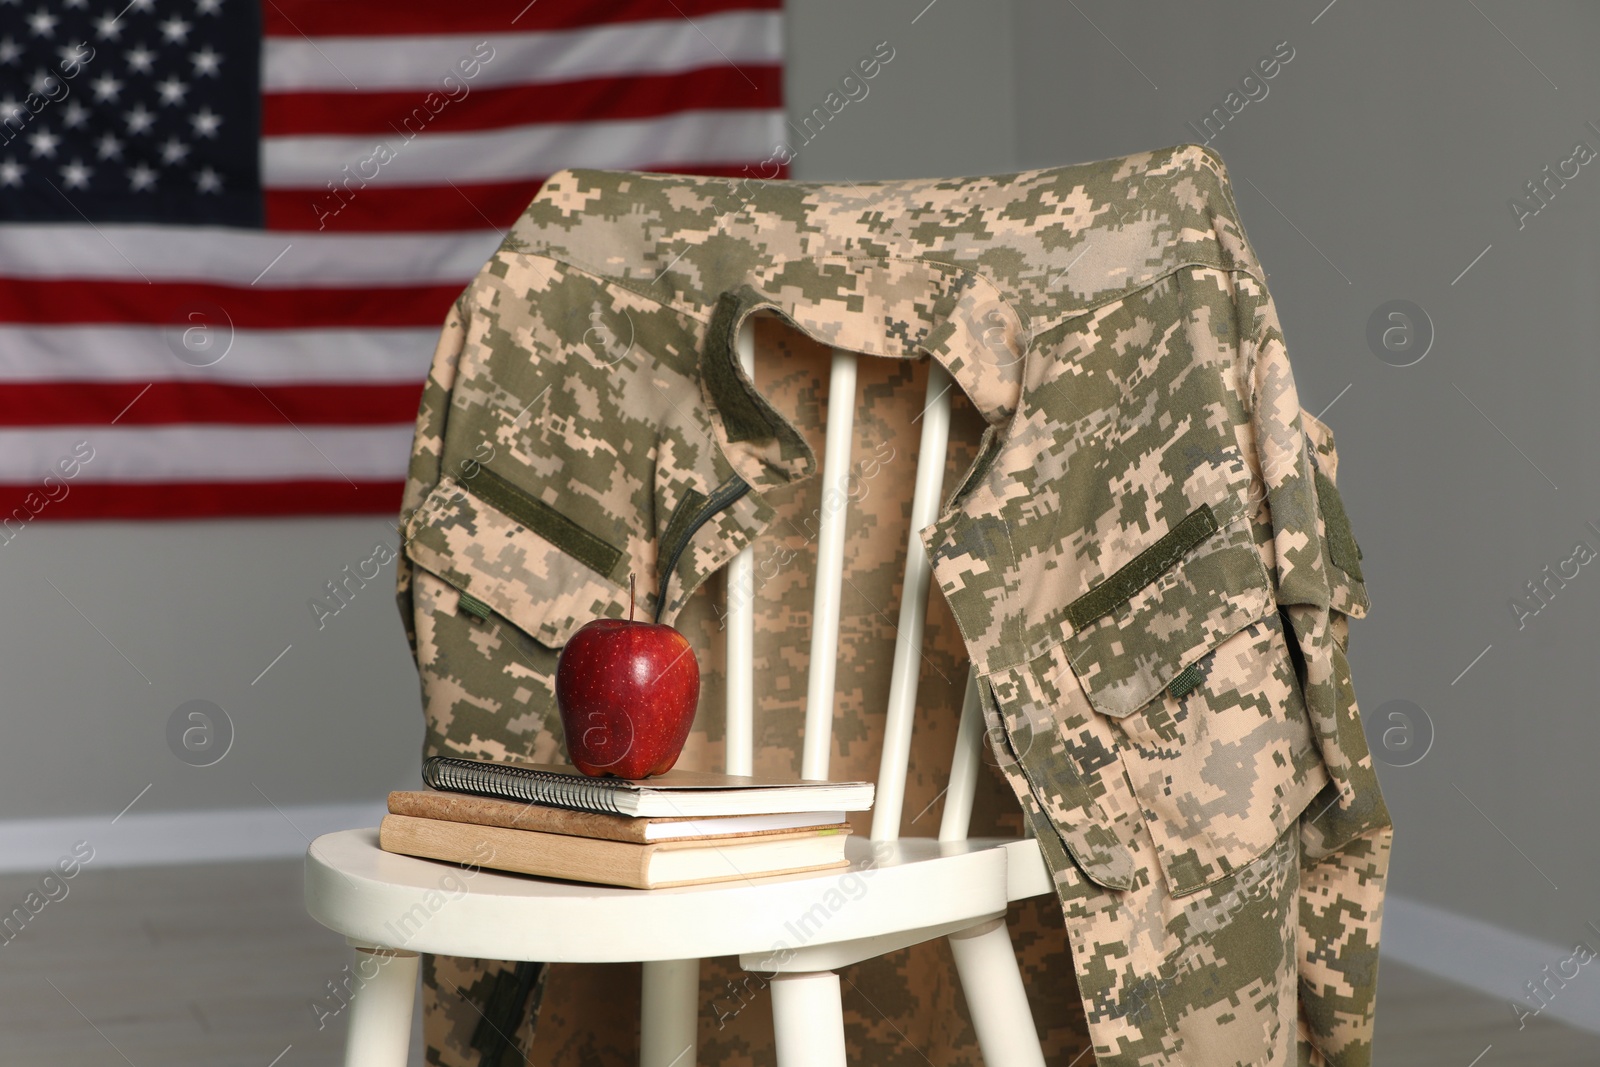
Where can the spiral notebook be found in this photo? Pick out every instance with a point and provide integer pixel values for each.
(676, 793)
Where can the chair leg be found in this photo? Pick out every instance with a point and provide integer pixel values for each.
(808, 1018)
(380, 1009)
(992, 983)
(668, 1017)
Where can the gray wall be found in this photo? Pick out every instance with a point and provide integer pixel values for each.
(945, 104)
(176, 612)
(1376, 168)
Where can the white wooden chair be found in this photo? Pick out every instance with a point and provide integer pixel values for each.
(920, 888)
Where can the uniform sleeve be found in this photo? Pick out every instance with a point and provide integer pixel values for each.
(1315, 594)
(427, 449)
(1345, 833)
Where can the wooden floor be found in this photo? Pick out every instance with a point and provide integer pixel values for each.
(218, 966)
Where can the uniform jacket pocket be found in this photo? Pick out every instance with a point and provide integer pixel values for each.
(1138, 627)
(1182, 647)
(507, 552)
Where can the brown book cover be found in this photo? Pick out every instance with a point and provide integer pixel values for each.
(634, 866)
(524, 815)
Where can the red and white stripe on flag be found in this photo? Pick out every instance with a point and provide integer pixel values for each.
(218, 371)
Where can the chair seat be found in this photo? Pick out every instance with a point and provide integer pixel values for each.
(392, 901)
(1027, 875)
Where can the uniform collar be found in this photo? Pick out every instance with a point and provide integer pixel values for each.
(968, 271)
(893, 308)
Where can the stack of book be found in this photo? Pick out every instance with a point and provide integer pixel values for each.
(679, 828)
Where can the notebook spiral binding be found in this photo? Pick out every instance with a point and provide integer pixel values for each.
(521, 783)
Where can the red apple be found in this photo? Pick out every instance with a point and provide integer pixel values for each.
(627, 693)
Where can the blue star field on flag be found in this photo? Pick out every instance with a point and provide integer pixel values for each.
(140, 111)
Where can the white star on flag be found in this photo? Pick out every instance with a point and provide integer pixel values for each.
(205, 122)
(206, 62)
(75, 175)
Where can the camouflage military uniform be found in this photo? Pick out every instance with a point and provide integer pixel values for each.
(1144, 553)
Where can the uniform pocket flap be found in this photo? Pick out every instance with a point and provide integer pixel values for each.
(1347, 585)
(533, 566)
(1137, 630)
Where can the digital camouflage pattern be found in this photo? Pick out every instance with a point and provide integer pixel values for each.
(589, 1015)
(1142, 552)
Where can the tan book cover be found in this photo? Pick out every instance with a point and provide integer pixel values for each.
(635, 866)
(523, 815)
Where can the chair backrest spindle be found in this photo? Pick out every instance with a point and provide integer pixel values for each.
(918, 577)
(818, 742)
(957, 817)
(739, 741)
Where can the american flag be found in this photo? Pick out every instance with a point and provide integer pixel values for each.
(230, 229)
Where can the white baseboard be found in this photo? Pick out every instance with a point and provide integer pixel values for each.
(1494, 961)
(176, 837)
(1459, 949)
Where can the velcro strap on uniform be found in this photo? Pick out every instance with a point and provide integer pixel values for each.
(673, 539)
(1341, 541)
(473, 606)
(1142, 569)
(682, 516)
(742, 415)
(1184, 682)
(589, 549)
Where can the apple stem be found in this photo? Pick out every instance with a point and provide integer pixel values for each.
(630, 598)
